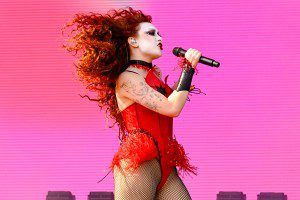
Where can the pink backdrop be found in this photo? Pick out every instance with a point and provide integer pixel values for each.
(243, 135)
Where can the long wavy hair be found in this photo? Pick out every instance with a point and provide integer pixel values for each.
(101, 40)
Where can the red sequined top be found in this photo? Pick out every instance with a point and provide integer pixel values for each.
(150, 135)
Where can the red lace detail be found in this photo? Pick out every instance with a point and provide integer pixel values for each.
(156, 71)
(183, 63)
(154, 68)
(143, 67)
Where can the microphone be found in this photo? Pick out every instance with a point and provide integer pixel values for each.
(178, 51)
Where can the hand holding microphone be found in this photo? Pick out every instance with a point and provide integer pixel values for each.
(185, 80)
(178, 51)
(193, 56)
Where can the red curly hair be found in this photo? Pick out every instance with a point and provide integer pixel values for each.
(102, 41)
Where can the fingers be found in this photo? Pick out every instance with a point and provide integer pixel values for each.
(193, 56)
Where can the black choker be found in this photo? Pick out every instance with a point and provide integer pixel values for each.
(140, 62)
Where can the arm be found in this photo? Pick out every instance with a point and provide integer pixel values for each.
(159, 74)
(134, 87)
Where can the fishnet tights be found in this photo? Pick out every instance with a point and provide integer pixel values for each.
(142, 184)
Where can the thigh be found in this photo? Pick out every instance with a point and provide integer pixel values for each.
(140, 184)
(174, 188)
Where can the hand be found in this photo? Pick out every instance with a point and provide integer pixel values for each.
(193, 56)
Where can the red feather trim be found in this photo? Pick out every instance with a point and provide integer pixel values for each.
(184, 63)
(139, 146)
(178, 157)
(136, 148)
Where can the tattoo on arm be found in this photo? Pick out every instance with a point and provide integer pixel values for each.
(146, 95)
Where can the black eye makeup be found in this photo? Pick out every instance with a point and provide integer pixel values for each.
(152, 32)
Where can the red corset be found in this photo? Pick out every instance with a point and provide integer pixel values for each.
(150, 135)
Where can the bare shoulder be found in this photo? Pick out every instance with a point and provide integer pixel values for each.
(128, 77)
(123, 80)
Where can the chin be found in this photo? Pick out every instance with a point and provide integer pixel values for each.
(154, 56)
(158, 55)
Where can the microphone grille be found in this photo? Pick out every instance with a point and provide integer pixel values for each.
(176, 51)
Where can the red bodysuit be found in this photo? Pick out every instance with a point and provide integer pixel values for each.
(150, 136)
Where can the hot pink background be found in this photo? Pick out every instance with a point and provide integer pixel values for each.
(243, 135)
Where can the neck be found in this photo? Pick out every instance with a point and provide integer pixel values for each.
(136, 55)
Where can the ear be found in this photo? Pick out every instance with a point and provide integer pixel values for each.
(132, 42)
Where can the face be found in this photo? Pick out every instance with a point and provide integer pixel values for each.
(148, 38)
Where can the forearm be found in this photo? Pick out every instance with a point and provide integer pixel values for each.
(182, 87)
(180, 95)
(178, 100)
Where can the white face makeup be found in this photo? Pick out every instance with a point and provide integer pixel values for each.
(148, 39)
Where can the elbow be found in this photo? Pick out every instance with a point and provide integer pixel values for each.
(175, 113)
(174, 110)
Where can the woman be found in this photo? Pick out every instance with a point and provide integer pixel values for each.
(116, 62)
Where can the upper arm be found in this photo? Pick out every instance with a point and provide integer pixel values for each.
(134, 87)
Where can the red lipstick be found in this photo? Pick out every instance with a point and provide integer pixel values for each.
(160, 46)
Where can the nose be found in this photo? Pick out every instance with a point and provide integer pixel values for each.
(159, 39)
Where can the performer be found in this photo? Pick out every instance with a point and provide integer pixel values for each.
(116, 62)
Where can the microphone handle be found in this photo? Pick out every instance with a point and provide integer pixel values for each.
(209, 61)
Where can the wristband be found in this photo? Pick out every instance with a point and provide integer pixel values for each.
(185, 79)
